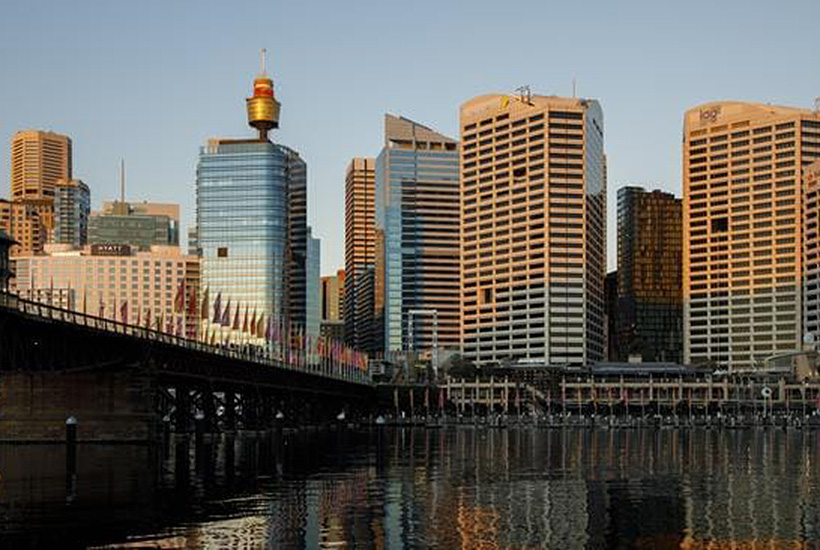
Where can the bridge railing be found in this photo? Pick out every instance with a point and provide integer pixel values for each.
(255, 354)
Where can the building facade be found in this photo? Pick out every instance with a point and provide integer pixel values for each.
(611, 304)
(22, 222)
(242, 224)
(360, 252)
(38, 161)
(72, 208)
(313, 287)
(297, 237)
(6, 272)
(650, 276)
(139, 224)
(533, 237)
(120, 283)
(811, 253)
(742, 166)
(417, 219)
(333, 296)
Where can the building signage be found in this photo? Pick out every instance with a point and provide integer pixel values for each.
(110, 250)
(709, 115)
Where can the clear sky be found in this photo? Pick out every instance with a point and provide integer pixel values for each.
(151, 81)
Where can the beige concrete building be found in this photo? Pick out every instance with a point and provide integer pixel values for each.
(811, 252)
(38, 160)
(360, 251)
(21, 220)
(332, 290)
(533, 235)
(99, 279)
(742, 166)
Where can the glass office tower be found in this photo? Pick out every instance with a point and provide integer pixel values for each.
(242, 224)
(417, 213)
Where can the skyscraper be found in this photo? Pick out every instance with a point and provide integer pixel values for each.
(297, 237)
(650, 285)
(72, 207)
(533, 237)
(360, 252)
(313, 289)
(333, 296)
(742, 165)
(417, 220)
(38, 160)
(245, 230)
(811, 252)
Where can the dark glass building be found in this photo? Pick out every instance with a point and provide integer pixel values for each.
(650, 282)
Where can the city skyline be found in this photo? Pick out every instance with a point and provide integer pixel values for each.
(154, 104)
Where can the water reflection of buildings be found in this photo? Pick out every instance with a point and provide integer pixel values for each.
(448, 488)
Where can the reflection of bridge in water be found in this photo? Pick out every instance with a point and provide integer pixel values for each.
(124, 382)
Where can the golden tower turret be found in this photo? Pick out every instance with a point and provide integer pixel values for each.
(263, 109)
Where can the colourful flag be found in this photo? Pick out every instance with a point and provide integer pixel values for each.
(245, 321)
(218, 309)
(124, 312)
(192, 303)
(204, 309)
(148, 318)
(236, 318)
(226, 315)
(179, 299)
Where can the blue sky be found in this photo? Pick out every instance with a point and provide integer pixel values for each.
(151, 81)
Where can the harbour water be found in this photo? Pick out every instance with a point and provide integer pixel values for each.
(457, 487)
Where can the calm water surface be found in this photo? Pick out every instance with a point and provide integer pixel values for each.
(417, 488)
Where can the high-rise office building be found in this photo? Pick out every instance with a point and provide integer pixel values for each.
(333, 296)
(313, 288)
(811, 252)
(533, 236)
(611, 307)
(140, 224)
(72, 208)
(333, 292)
(742, 165)
(650, 283)
(417, 219)
(360, 251)
(247, 234)
(38, 161)
(297, 237)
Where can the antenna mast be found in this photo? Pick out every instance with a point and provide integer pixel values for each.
(122, 181)
(263, 56)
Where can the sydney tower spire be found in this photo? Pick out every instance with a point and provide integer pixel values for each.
(263, 109)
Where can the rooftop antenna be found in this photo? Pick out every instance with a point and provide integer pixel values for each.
(122, 181)
(263, 59)
(817, 104)
(573, 87)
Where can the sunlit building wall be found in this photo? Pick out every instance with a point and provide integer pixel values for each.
(533, 236)
(742, 174)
